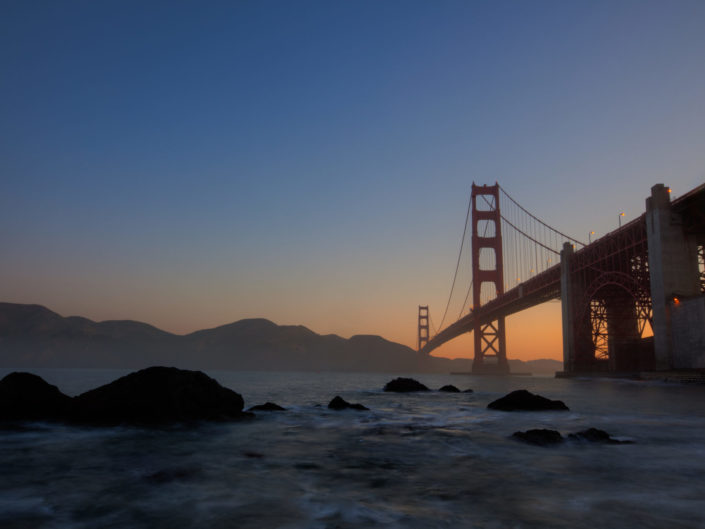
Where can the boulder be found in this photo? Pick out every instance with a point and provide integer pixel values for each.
(593, 435)
(540, 437)
(404, 385)
(268, 406)
(339, 404)
(450, 389)
(468, 391)
(28, 397)
(156, 396)
(523, 400)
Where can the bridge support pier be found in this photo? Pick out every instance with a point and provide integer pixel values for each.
(578, 349)
(675, 281)
(567, 309)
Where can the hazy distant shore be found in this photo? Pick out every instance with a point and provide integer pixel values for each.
(34, 336)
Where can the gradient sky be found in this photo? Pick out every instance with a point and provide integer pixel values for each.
(189, 164)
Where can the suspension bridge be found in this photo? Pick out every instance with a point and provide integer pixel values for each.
(631, 301)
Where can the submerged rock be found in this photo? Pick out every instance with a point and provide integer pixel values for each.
(158, 395)
(340, 404)
(543, 437)
(540, 437)
(450, 388)
(594, 435)
(523, 400)
(268, 406)
(28, 397)
(404, 385)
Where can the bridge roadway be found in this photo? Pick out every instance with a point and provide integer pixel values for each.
(539, 289)
(547, 285)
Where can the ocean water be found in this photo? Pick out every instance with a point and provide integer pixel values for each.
(413, 461)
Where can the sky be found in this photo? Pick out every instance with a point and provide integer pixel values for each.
(190, 164)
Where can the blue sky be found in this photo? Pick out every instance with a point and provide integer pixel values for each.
(193, 163)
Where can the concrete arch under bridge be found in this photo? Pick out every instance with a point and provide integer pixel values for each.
(613, 316)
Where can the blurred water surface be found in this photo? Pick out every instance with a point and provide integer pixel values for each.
(414, 460)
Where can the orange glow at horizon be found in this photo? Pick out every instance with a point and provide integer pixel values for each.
(531, 334)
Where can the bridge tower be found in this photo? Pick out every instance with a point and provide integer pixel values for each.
(489, 337)
(423, 326)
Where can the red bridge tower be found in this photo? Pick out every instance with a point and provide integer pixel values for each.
(490, 343)
(423, 326)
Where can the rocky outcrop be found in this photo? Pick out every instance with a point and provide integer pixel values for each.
(539, 437)
(543, 437)
(523, 400)
(340, 404)
(594, 435)
(158, 395)
(27, 397)
(267, 406)
(404, 385)
(449, 388)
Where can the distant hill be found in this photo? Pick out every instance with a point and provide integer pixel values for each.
(34, 336)
(542, 366)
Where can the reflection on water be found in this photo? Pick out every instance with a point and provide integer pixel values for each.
(414, 460)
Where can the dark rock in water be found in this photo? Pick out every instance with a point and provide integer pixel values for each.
(522, 400)
(158, 395)
(27, 397)
(268, 406)
(339, 404)
(540, 437)
(468, 391)
(593, 435)
(405, 385)
(450, 389)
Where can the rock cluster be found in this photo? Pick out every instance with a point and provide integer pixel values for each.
(523, 400)
(593, 435)
(544, 437)
(339, 403)
(541, 437)
(404, 385)
(27, 397)
(152, 396)
(163, 395)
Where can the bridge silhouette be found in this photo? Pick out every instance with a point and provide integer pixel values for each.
(632, 300)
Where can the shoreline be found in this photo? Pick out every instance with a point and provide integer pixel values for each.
(695, 376)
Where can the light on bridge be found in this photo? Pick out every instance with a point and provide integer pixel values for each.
(590, 237)
(620, 218)
(676, 301)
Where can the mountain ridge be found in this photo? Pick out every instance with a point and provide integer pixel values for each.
(35, 336)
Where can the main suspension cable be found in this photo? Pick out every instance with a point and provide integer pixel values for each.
(539, 220)
(457, 265)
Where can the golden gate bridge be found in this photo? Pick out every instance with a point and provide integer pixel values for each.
(631, 301)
